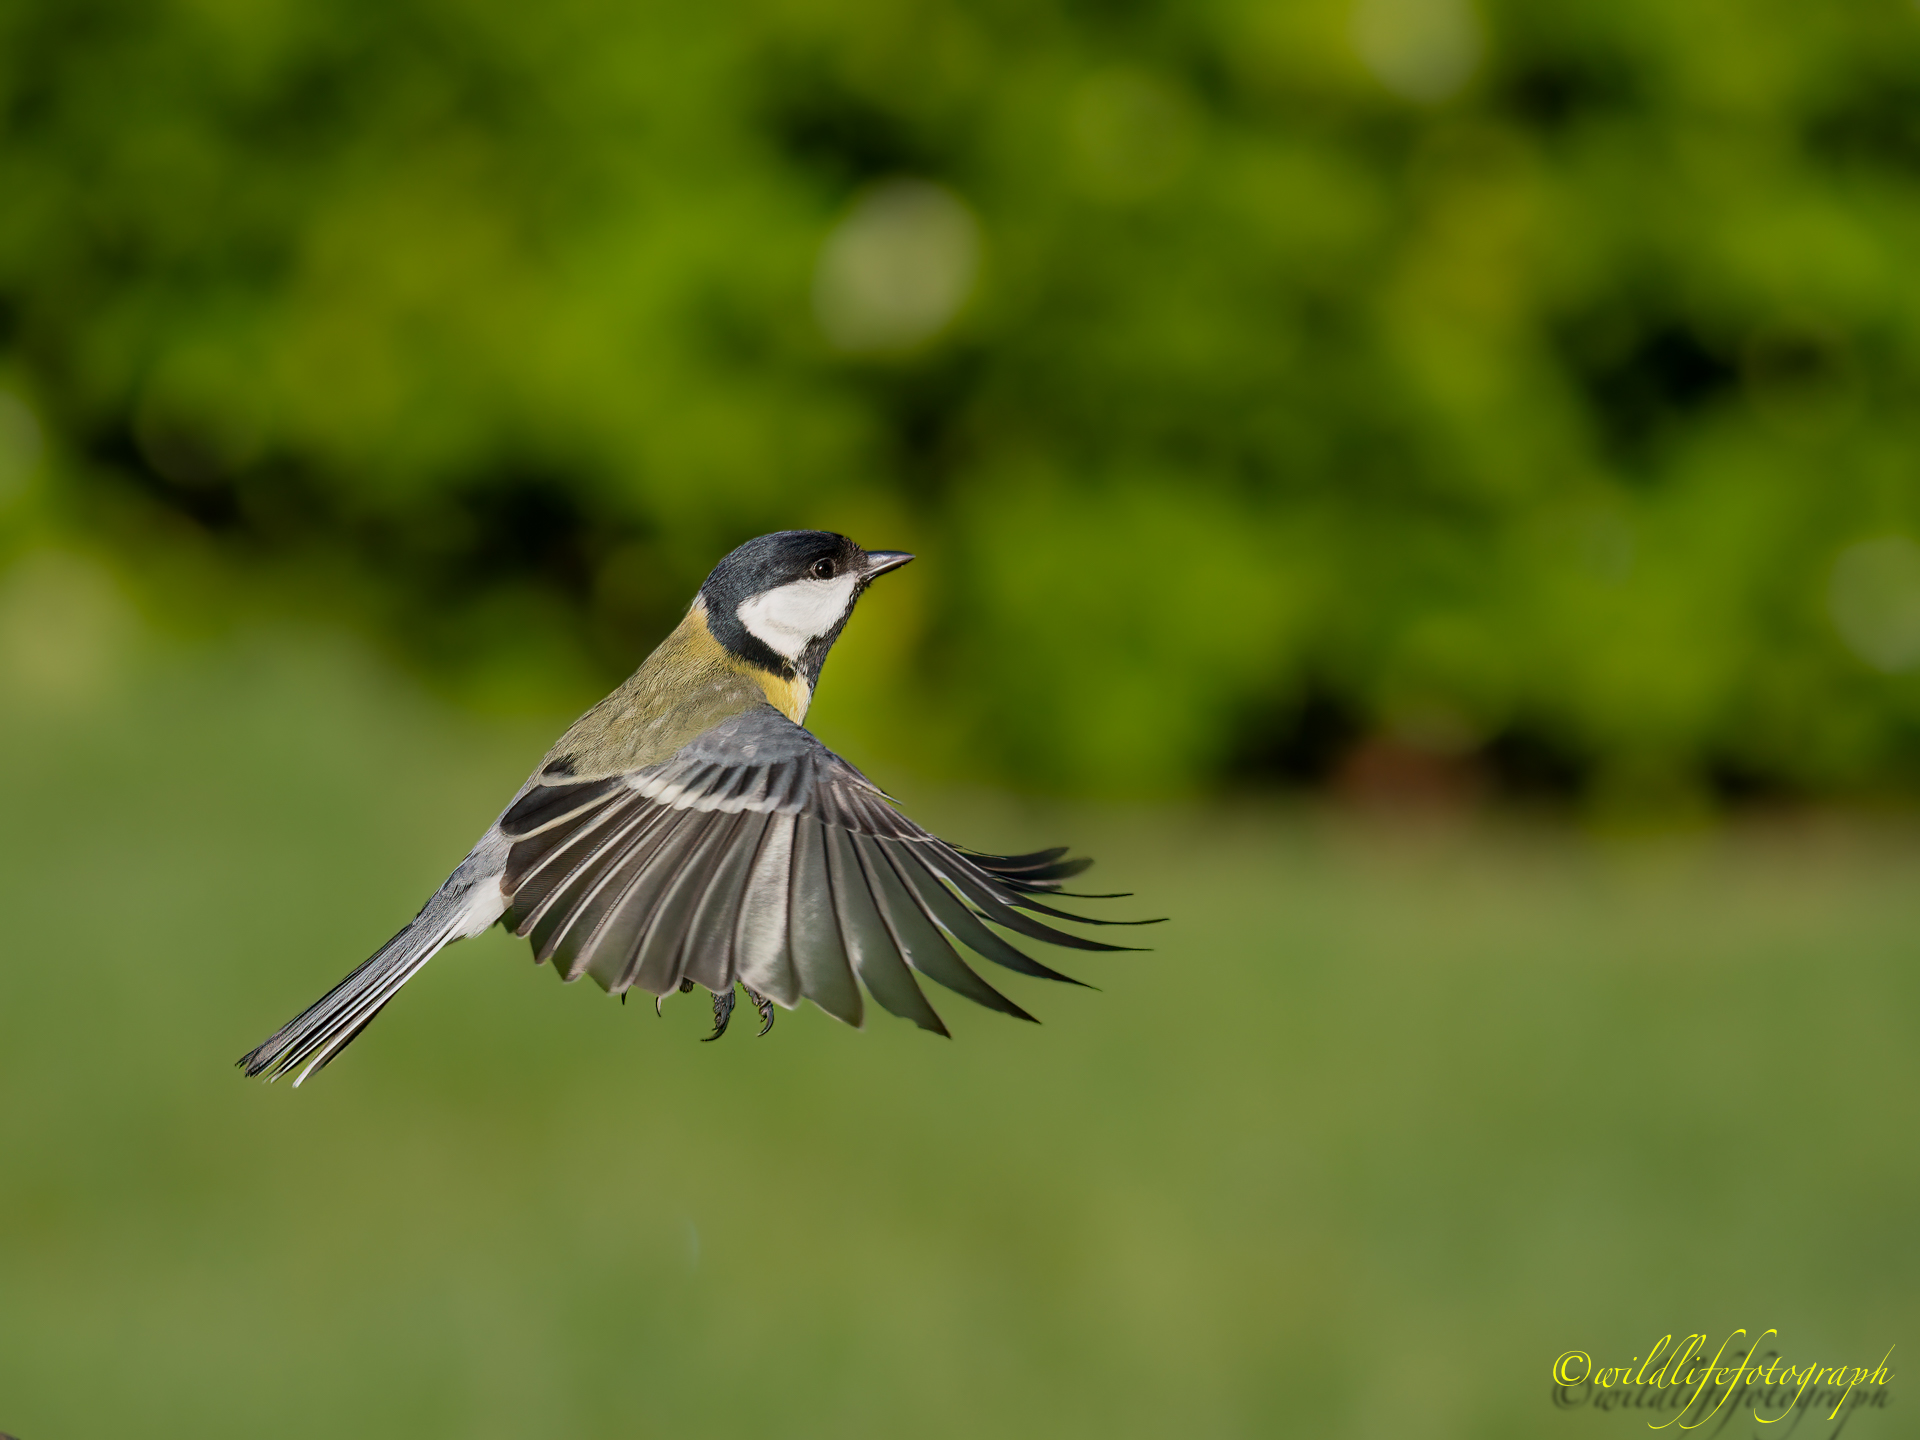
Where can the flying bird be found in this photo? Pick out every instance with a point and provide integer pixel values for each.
(688, 831)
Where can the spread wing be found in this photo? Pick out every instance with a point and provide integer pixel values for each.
(756, 854)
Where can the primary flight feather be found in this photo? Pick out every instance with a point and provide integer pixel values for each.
(687, 831)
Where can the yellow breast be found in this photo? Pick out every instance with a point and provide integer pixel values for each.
(789, 697)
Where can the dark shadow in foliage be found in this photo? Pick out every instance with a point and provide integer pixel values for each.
(845, 137)
(1527, 763)
(1314, 743)
(1873, 122)
(1556, 92)
(1643, 375)
(525, 526)
(516, 524)
(1738, 783)
(173, 468)
(926, 407)
(1298, 745)
(516, 529)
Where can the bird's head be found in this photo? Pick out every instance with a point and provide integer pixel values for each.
(779, 602)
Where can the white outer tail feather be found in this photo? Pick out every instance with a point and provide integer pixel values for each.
(469, 902)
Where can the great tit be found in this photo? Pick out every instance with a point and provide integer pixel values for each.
(687, 831)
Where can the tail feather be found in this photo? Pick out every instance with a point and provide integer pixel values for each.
(467, 904)
(318, 1032)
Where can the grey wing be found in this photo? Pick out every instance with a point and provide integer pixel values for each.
(757, 855)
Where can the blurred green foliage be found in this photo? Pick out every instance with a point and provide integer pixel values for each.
(1503, 383)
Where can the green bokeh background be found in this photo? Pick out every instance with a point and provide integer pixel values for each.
(1359, 417)
(1498, 379)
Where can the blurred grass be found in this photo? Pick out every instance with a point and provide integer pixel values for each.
(1393, 1115)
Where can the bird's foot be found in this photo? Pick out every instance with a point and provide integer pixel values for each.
(763, 1005)
(722, 1012)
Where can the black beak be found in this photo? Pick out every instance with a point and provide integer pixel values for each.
(881, 561)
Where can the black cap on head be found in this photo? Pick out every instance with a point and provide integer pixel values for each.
(771, 561)
(799, 558)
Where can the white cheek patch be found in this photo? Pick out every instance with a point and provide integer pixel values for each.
(785, 620)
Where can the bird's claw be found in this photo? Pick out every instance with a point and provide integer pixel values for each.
(763, 1005)
(725, 1000)
(722, 1013)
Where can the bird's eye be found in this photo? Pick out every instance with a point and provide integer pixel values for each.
(823, 569)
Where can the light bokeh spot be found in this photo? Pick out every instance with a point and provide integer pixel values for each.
(896, 269)
(64, 628)
(1422, 50)
(1874, 599)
